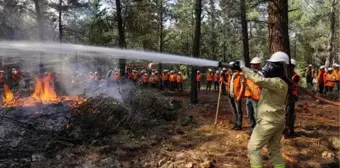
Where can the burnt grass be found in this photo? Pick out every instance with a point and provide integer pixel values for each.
(155, 129)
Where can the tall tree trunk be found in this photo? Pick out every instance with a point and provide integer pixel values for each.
(196, 51)
(245, 39)
(161, 37)
(213, 35)
(279, 39)
(60, 21)
(121, 33)
(278, 26)
(39, 19)
(331, 56)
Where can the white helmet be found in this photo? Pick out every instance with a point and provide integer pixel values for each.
(209, 70)
(179, 72)
(292, 61)
(217, 72)
(337, 66)
(256, 60)
(322, 67)
(95, 72)
(224, 69)
(198, 71)
(279, 57)
(310, 65)
(330, 69)
(231, 63)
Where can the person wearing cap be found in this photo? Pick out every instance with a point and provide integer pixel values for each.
(179, 79)
(330, 80)
(336, 72)
(236, 90)
(216, 79)
(271, 108)
(198, 80)
(310, 75)
(293, 97)
(321, 74)
(209, 77)
(253, 93)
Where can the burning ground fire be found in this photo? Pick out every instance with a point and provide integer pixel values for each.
(43, 93)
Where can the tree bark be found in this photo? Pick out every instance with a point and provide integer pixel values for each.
(121, 33)
(279, 40)
(60, 22)
(213, 35)
(161, 37)
(245, 39)
(39, 19)
(196, 51)
(331, 48)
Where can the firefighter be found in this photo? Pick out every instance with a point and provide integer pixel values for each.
(271, 109)
(15, 78)
(224, 80)
(253, 93)
(116, 76)
(336, 72)
(172, 79)
(209, 76)
(293, 97)
(330, 80)
(179, 80)
(310, 75)
(236, 90)
(216, 80)
(321, 81)
(198, 80)
(96, 76)
(154, 79)
(91, 76)
(165, 79)
(144, 79)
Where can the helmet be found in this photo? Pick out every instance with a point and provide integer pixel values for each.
(95, 72)
(292, 61)
(217, 71)
(337, 66)
(198, 71)
(322, 67)
(179, 72)
(209, 70)
(231, 63)
(279, 57)
(156, 72)
(224, 69)
(310, 65)
(256, 60)
(330, 69)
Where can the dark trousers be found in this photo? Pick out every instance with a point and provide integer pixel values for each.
(172, 85)
(198, 86)
(321, 86)
(291, 115)
(216, 85)
(338, 85)
(166, 84)
(154, 85)
(209, 83)
(251, 107)
(237, 111)
(224, 92)
(328, 89)
(180, 86)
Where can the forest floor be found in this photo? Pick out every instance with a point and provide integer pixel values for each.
(193, 140)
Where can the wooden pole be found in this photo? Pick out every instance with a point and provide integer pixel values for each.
(218, 102)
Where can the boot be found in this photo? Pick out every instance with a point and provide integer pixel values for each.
(234, 127)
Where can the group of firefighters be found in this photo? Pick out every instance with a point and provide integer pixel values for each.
(326, 78)
(168, 79)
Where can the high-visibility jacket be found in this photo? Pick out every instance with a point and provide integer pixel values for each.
(165, 76)
(172, 78)
(198, 77)
(330, 80)
(130, 75)
(310, 71)
(145, 79)
(296, 79)
(116, 76)
(216, 77)
(179, 79)
(209, 76)
(336, 72)
(236, 82)
(321, 75)
(154, 79)
(252, 90)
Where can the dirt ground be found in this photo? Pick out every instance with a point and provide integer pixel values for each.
(193, 141)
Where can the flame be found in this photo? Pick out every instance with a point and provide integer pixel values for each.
(8, 96)
(43, 89)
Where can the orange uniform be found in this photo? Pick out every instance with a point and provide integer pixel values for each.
(209, 76)
(217, 77)
(312, 73)
(236, 85)
(165, 76)
(321, 75)
(179, 78)
(330, 79)
(296, 79)
(130, 75)
(134, 75)
(252, 90)
(172, 78)
(337, 74)
(198, 77)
